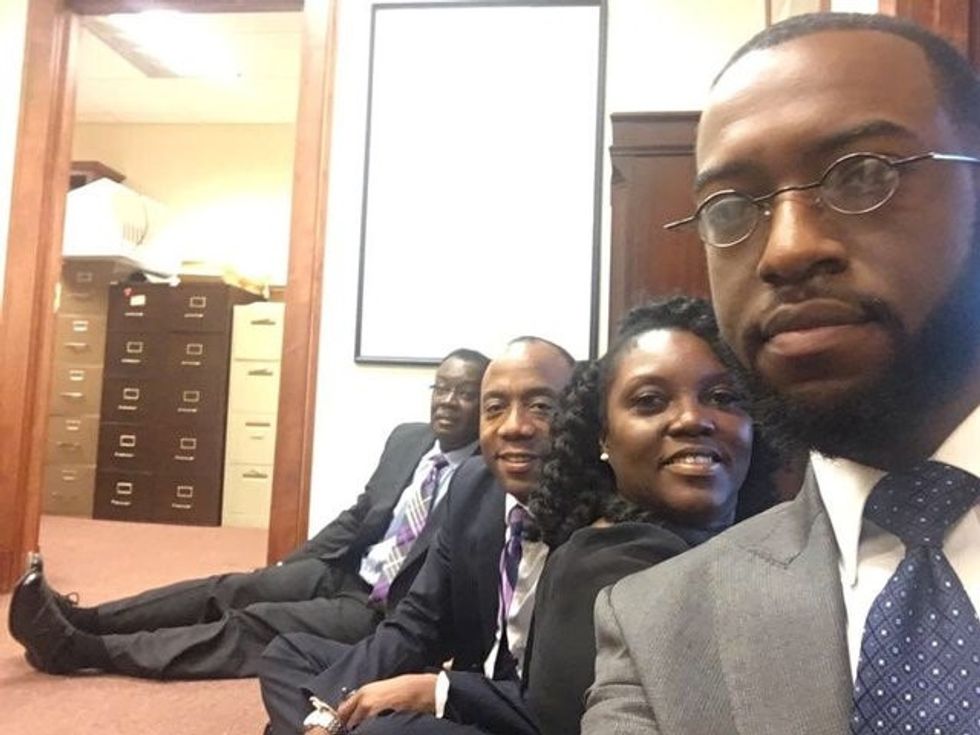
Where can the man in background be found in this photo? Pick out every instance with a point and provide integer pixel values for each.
(338, 584)
(838, 187)
(472, 602)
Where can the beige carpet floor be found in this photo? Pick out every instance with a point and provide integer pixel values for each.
(102, 560)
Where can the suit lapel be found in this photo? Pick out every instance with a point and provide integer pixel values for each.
(403, 471)
(486, 561)
(787, 671)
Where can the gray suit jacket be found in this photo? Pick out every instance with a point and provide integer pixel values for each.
(744, 634)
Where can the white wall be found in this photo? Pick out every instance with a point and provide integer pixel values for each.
(662, 56)
(228, 187)
(13, 23)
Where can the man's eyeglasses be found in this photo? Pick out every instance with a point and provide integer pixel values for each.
(443, 392)
(853, 184)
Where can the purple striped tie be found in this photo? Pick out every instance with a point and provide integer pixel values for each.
(510, 560)
(407, 527)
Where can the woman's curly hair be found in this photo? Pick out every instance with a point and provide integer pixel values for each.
(577, 487)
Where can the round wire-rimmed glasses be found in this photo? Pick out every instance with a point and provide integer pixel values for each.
(857, 183)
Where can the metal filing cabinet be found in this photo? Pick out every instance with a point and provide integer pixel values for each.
(73, 415)
(162, 435)
(253, 398)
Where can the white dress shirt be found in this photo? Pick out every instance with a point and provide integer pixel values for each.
(870, 555)
(377, 554)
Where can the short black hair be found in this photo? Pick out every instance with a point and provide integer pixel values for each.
(565, 354)
(471, 356)
(577, 487)
(955, 79)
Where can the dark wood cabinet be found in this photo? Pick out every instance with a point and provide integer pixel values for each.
(164, 402)
(652, 178)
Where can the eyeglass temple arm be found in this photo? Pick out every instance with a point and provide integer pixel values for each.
(958, 158)
(680, 223)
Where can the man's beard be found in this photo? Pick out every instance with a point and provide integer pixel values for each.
(925, 372)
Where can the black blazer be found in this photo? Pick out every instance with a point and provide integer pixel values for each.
(450, 611)
(347, 538)
(560, 664)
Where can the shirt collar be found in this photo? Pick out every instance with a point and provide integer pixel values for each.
(456, 456)
(845, 485)
(511, 502)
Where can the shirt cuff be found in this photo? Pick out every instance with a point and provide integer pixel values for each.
(442, 693)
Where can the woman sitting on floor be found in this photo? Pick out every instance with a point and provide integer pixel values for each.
(652, 448)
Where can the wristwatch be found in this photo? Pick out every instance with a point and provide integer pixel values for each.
(323, 720)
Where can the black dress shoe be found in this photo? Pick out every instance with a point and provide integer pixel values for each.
(23, 602)
(36, 623)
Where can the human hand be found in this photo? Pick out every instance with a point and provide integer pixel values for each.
(406, 693)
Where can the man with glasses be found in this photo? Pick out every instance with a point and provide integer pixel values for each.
(338, 584)
(837, 193)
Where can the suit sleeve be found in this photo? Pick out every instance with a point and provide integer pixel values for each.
(616, 704)
(340, 534)
(494, 706)
(410, 640)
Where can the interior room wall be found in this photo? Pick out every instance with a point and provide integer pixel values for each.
(662, 55)
(13, 24)
(227, 186)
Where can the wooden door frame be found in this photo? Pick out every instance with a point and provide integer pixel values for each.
(40, 184)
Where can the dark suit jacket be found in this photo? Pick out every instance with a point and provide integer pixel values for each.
(450, 611)
(744, 634)
(346, 539)
(561, 661)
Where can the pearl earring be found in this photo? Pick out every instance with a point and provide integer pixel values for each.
(604, 456)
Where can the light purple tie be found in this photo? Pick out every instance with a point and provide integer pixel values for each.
(406, 528)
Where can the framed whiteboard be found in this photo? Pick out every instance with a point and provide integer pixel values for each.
(482, 192)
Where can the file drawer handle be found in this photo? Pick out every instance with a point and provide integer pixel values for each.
(74, 395)
(77, 346)
(69, 445)
(192, 315)
(263, 372)
(182, 409)
(190, 363)
(254, 475)
(183, 458)
(124, 455)
(263, 322)
(131, 360)
(181, 506)
(123, 503)
(133, 314)
(258, 424)
(83, 295)
(123, 407)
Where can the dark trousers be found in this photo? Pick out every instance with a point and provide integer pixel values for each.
(217, 627)
(292, 660)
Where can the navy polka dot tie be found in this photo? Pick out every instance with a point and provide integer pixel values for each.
(919, 669)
